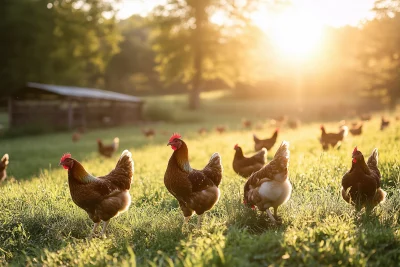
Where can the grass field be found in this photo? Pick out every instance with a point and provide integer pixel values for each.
(40, 225)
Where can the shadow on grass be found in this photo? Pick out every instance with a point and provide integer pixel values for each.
(378, 240)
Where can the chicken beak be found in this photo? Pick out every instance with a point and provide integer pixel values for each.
(169, 143)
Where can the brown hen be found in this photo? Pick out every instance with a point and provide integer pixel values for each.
(108, 150)
(196, 190)
(246, 166)
(266, 143)
(101, 197)
(361, 185)
(332, 139)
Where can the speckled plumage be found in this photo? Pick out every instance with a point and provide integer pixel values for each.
(3, 167)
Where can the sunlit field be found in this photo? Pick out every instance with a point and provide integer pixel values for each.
(40, 225)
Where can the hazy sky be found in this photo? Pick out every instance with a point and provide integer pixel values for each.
(329, 12)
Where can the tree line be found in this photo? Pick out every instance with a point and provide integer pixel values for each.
(178, 48)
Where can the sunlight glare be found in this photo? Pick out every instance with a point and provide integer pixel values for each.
(293, 34)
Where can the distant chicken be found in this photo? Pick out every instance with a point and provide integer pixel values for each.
(281, 118)
(196, 190)
(266, 143)
(246, 123)
(101, 197)
(293, 124)
(356, 130)
(108, 150)
(365, 117)
(3, 167)
(332, 139)
(76, 137)
(220, 129)
(202, 131)
(270, 186)
(150, 133)
(384, 123)
(361, 185)
(397, 118)
(246, 166)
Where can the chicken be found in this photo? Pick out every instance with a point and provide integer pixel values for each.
(270, 186)
(109, 150)
(196, 190)
(365, 117)
(384, 123)
(246, 123)
(281, 119)
(356, 130)
(293, 124)
(361, 185)
(202, 131)
(3, 167)
(76, 137)
(101, 197)
(247, 166)
(220, 129)
(332, 139)
(150, 133)
(267, 143)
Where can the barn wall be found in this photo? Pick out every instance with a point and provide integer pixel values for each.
(54, 114)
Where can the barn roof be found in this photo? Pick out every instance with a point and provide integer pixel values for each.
(81, 92)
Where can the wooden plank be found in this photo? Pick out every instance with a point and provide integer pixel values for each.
(70, 115)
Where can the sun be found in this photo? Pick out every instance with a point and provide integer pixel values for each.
(294, 35)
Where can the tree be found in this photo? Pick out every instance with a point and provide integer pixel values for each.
(132, 69)
(60, 42)
(190, 48)
(381, 55)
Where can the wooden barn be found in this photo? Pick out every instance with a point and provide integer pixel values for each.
(66, 107)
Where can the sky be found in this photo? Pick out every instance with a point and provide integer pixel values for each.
(334, 13)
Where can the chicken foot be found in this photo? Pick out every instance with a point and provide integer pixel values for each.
(96, 225)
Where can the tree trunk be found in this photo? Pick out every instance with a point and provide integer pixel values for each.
(198, 42)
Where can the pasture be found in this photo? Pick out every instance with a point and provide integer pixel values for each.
(41, 226)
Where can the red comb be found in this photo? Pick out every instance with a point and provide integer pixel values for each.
(277, 129)
(321, 127)
(65, 156)
(175, 136)
(236, 146)
(355, 150)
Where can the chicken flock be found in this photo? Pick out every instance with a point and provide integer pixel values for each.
(266, 185)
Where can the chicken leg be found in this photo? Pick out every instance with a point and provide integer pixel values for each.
(271, 216)
(96, 225)
(105, 224)
(199, 219)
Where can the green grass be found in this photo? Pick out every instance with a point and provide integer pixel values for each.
(40, 225)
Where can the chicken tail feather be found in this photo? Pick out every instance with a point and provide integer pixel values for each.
(116, 143)
(5, 159)
(373, 159)
(283, 150)
(255, 138)
(126, 165)
(214, 169)
(344, 131)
